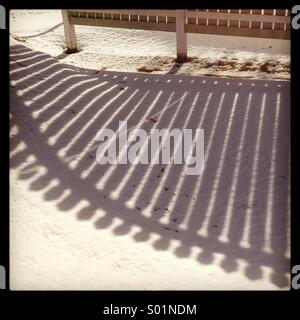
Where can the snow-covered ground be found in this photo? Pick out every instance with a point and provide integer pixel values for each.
(79, 225)
(132, 50)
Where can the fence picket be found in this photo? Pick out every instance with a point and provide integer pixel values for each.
(266, 23)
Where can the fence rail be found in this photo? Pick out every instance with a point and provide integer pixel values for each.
(264, 23)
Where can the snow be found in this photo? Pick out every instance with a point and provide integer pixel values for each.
(76, 225)
(117, 49)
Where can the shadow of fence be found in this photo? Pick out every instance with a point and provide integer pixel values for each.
(238, 207)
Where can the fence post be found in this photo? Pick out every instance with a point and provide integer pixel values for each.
(69, 33)
(181, 41)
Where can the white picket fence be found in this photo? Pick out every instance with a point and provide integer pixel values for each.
(264, 23)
